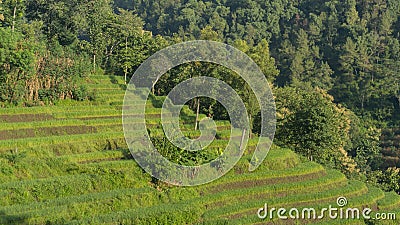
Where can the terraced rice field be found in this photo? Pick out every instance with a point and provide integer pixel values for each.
(391, 147)
(69, 164)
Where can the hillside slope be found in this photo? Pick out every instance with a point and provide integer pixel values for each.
(68, 164)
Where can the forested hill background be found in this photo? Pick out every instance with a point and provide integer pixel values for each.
(341, 56)
(350, 48)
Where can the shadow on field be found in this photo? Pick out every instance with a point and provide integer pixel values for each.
(127, 154)
(115, 81)
(12, 219)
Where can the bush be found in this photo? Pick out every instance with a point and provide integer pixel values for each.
(80, 93)
(309, 122)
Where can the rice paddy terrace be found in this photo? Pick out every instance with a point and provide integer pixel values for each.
(391, 147)
(69, 164)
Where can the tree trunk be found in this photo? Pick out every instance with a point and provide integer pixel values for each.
(14, 18)
(397, 93)
(242, 140)
(94, 63)
(197, 114)
(362, 102)
(250, 126)
(126, 66)
(398, 99)
(126, 74)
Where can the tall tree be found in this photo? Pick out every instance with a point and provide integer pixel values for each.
(12, 13)
(97, 16)
(16, 65)
(1, 11)
(60, 18)
(310, 123)
(261, 55)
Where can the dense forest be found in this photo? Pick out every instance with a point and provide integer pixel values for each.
(335, 63)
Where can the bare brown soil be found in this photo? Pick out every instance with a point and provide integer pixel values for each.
(100, 118)
(267, 181)
(45, 131)
(25, 118)
(262, 182)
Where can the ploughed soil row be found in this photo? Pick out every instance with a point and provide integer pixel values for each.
(391, 161)
(99, 118)
(25, 118)
(101, 160)
(269, 195)
(268, 181)
(390, 143)
(147, 116)
(45, 131)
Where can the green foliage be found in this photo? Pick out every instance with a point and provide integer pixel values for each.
(12, 13)
(16, 65)
(364, 145)
(388, 180)
(348, 48)
(180, 156)
(14, 157)
(1, 11)
(59, 73)
(314, 126)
